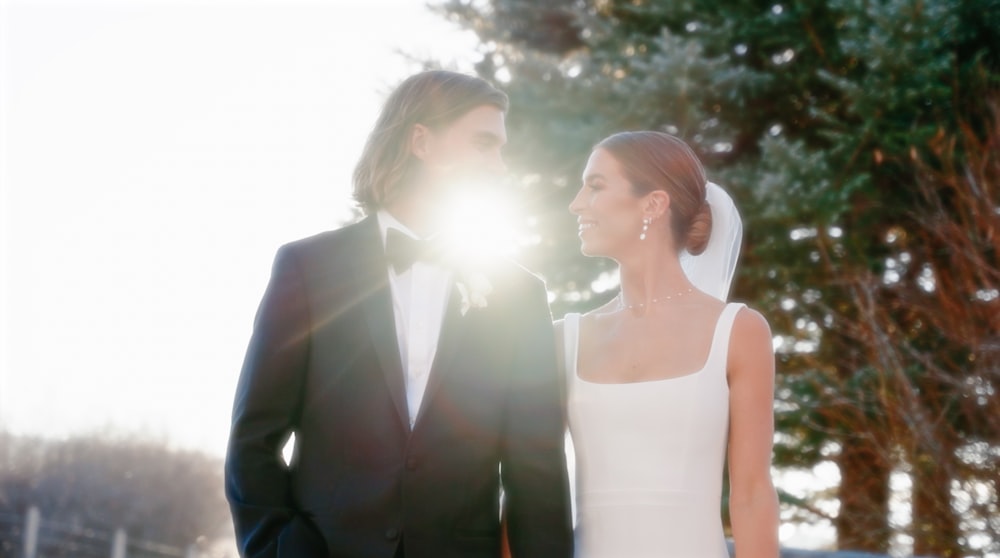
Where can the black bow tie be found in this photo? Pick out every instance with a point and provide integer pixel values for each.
(402, 250)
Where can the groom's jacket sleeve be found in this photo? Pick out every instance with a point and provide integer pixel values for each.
(266, 410)
(533, 465)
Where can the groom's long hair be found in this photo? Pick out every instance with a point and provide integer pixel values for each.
(434, 99)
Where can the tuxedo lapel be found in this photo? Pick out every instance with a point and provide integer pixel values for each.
(453, 331)
(373, 281)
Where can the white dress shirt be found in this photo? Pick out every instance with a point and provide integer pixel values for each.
(419, 299)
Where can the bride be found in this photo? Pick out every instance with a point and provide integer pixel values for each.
(667, 381)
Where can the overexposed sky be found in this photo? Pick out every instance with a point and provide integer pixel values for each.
(154, 156)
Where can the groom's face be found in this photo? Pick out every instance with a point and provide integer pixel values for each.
(464, 153)
(608, 213)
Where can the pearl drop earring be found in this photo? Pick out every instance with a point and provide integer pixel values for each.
(645, 227)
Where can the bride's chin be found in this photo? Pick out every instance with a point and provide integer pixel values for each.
(587, 249)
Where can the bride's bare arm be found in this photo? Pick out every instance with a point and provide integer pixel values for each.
(753, 502)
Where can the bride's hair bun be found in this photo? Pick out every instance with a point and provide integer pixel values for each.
(700, 230)
(658, 161)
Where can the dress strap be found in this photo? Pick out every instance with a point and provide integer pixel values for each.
(571, 342)
(723, 332)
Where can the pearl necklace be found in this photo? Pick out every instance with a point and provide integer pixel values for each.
(623, 306)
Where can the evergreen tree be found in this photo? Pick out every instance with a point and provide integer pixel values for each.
(850, 134)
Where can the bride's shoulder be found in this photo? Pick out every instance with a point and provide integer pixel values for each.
(579, 319)
(751, 339)
(603, 310)
(749, 321)
(587, 316)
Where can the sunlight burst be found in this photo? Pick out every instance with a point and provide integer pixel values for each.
(479, 225)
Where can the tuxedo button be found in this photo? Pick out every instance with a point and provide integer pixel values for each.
(411, 463)
(392, 533)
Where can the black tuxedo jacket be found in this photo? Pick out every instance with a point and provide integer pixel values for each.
(323, 363)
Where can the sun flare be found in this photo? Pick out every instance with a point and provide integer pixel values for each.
(480, 225)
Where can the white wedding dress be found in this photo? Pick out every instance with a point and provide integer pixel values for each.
(649, 456)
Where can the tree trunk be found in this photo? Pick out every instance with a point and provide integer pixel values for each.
(935, 526)
(863, 521)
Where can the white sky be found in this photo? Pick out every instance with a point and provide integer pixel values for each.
(154, 156)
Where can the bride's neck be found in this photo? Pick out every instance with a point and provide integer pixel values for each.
(646, 279)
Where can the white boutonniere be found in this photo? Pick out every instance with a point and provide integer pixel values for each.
(474, 288)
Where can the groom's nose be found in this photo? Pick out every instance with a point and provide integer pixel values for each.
(496, 165)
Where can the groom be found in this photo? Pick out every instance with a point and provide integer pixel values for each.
(414, 389)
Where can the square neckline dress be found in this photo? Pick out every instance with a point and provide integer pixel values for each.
(650, 457)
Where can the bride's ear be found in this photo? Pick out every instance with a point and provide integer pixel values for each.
(657, 204)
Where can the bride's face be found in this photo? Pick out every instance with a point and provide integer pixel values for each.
(609, 214)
